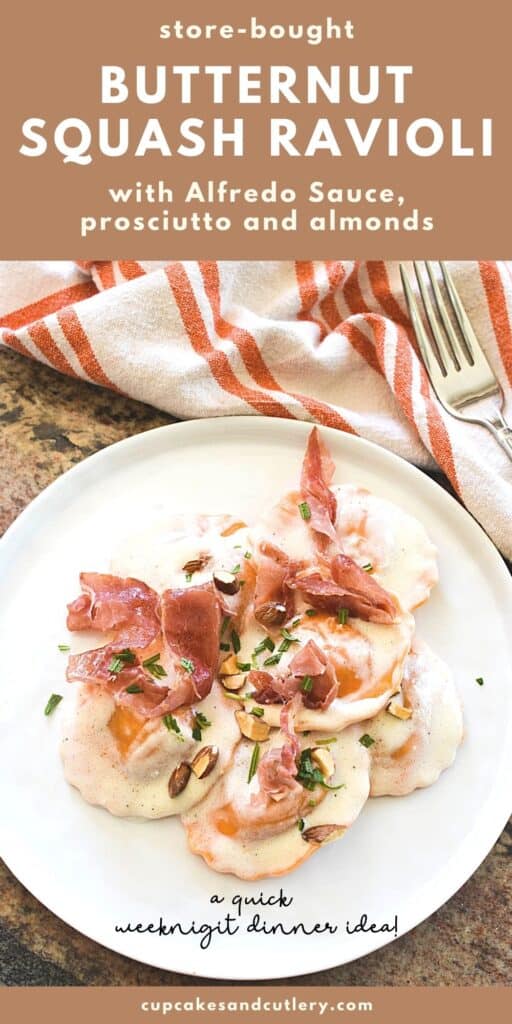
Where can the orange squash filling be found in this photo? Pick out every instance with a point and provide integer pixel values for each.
(125, 727)
(226, 820)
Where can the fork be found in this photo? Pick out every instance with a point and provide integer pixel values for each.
(459, 372)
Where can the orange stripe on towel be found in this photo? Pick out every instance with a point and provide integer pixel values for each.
(254, 360)
(496, 301)
(328, 306)
(439, 436)
(50, 350)
(242, 338)
(13, 342)
(48, 304)
(217, 360)
(131, 269)
(77, 338)
(308, 292)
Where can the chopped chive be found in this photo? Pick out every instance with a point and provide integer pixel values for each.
(309, 775)
(273, 660)
(187, 664)
(287, 641)
(288, 636)
(133, 688)
(247, 554)
(324, 743)
(202, 719)
(307, 684)
(200, 722)
(258, 712)
(52, 703)
(235, 641)
(305, 510)
(153, 666)
(225, 624)
(244, 666)
(171, 723)
(296, 621)
(368, 567)
(188, 577)
(300, 824)
(480, 681)
(366, 740)
(311, 803)
(264, 645)
(64, 647)
(236, 569)
(122, 658)
(225, 647)
(254, 762)
(311, 612)
(127, 656)
(342, 616)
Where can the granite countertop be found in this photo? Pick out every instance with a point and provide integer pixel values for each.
(48, 423)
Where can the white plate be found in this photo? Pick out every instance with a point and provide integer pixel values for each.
(403, 857)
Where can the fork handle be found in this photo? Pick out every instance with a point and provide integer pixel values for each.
(502, 432)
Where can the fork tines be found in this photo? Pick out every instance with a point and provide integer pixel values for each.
(450, 348)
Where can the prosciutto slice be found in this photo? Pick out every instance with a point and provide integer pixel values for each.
(126, 606)
(317, 473)
(191, 627)
(189, 646)
(94, 668)
(271, 689)
(273, 601)
(348, 586)
(309, 661)
(277, 770)
(313, 662)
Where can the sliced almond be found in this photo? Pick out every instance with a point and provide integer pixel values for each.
(179, 779)
(399, 711)
(196, 564)
(321, 834)
(233, 682)
(271, 614)
(324, 760)
(226, 582)
(251, 727)
(229, 667)
(205, 761)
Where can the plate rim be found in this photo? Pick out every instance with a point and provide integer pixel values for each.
(466, 862)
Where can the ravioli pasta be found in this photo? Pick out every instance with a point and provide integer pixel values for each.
(260, 681)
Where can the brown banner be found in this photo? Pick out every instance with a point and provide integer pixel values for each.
(440, 84)
(254, 1003)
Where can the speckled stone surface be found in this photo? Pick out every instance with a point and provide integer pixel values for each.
(47, 423)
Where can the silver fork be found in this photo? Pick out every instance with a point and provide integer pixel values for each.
(462, 379)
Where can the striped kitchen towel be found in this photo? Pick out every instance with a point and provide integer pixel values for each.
(328, 342)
